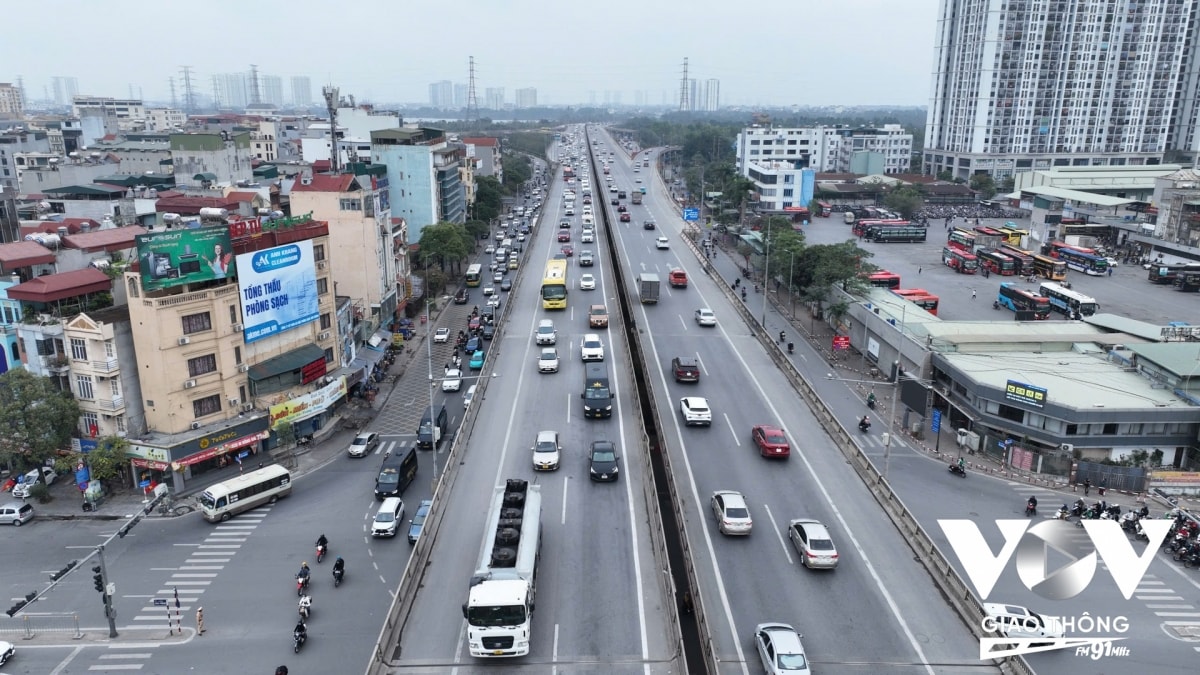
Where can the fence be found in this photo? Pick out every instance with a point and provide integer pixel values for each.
(1109, 477)
(30, 625)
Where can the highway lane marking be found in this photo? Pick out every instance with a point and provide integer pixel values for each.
(554, 653)
(682, 322)
(1158, 597)
(126, 655)
(1188, 614)
(563, 521)
(732, 431)
(1170, 606)
(700, 361)
(775, 528)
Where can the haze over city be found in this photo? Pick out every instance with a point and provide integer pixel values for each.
(855, 52)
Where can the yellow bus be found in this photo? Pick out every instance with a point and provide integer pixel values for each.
(474, 274)
(1049, 268)
(1013, 235)
(554, 285)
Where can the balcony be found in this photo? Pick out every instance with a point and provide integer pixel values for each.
(114, 404)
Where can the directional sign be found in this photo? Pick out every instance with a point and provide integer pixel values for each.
(691, 214)
(160, 602)
(936, 423)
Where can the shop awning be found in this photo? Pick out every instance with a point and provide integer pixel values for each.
(286, 363)
(369, 353)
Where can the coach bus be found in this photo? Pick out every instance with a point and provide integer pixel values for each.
(1020, 300)
(1167, 274)
(883, 279)
(863, 227)
(554, 285)
(997, 263)
(1023, 258)
(959, 260)
(222, 501)
(1068, 302)
(919, 297)
(1049, 268)
(824, 209)
(897, 233)
(1088, 263)
(988, 237)
(961, 240)
(1013, 235)
(474, 274)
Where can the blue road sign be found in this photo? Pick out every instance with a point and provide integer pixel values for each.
(691, 214)
(936, 422)
(160, 602)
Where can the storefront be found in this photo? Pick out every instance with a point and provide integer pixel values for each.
(185, 458)
(149, 467)
(309, 413)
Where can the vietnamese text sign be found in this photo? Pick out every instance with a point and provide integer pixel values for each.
(307, 405)
(691, 214)
(279, 289)
(1025, 393)
(178, 257)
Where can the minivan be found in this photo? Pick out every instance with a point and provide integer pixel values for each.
(432, 428)
(16, 513)
(396, 473)
(391, 512)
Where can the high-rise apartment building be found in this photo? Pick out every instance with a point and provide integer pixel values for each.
(65, 89)
(711, 100)
(12, 103)
(460, 95)
(301, 91)
(441, 94)
(493, 98)
(272, 89)
(232, 90)
(526, 98)
(1022, 85)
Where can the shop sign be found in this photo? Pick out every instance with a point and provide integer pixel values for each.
(308, 405)
(145, 452)
(215, 450)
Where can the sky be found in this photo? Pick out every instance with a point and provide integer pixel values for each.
(771, 52)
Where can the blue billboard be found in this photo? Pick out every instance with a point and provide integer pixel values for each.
(278, 288)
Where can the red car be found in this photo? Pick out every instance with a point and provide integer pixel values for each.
(564, 235)
(624, 217)
(568, 250)
(771, 441)
(473, 323)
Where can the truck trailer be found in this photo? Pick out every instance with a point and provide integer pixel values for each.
(648, 286)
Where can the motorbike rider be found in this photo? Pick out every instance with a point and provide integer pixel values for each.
(303, 573)
(864, 423)
(782, 336)
(305, 604)
(300, 632)
(1032, 503)
(871, 400)
(322, 542)
(339, 567)
(962, 464)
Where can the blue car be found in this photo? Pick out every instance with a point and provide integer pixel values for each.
(418, 522)
(476, 360)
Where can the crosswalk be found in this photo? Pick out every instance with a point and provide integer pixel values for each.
(174, 605)
(875, 441)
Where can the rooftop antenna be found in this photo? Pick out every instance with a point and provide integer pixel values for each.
(330, 93)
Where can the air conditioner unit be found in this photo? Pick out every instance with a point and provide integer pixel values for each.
(247, 407)
(1067, 447)
(323, 336)
(243, 368)
(185, 341)
(195, 425)
(320, 264)
(188, 384)
(237, 327)
(233, 402)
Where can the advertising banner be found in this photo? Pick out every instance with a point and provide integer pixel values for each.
(1025, 393)
(178, 257)
(308, 405)
(279, 289)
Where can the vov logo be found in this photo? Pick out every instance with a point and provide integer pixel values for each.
(1108, 541)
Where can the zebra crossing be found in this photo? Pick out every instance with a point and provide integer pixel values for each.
(875, 441)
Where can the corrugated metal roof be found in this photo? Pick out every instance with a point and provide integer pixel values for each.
(51, 287)
(111, 239)
(1180, 358)
(1124, 324)
(1077, 196)
(23, 254)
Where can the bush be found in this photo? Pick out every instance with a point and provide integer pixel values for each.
(41, 492)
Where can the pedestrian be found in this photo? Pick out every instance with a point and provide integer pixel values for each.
(1087, 486)
(918, 270)
(1110, 271)
(972, 293)
(200, 621)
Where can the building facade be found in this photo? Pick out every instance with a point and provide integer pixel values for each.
(165, 119)
(1017, 87)
(422, 171)
(215, 158)
(13, 144)
(129, 113)
(526, 97)
(12, 101)
(301, 91)
(441, 94)
(493, 98)
(780, 186)
(487, 151)
(827, 149)
(104, 376)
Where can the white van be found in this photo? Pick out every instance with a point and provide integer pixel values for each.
(387, 520)
(469, 396)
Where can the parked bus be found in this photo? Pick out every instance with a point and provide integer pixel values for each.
(1055, 248)
(883, 279)
(222, 501)
(897, 233)
(1049, 268)
(961, 240)
(1020, 300)
(474, 274)
(1097, 230)
(1167, 274)
(959, 260)
(1068, 302)
(919, 297)
(1013, 236)
(864, 226)
(824, 209)
(988, 237)
(1188, 282)
(1023, 258)
(554, 285)
(1088, 263)
(1072, 221)
(997, 263)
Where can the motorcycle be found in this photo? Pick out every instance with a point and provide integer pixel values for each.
(301, 584)
(338, 573)
(864, 426)
(1030, 509)
(1129, 520)
(298, 640)
(958, 471)
(871, 402)
(322, 549)
(304, 608)
(1062, 513)
(1192, 559)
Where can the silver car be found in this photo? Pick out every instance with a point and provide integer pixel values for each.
(780, 649)
(705, 317)
(732, 513)
(813, 543)
(364, 444)
(547, 453)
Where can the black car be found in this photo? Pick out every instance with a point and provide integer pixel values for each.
(506, 285)
(615, 201)
(474, 344)
(488, 331)
(488, 314)
(462, 296)
(648, 225)
(603, 461)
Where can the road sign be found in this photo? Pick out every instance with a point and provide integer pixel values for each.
(160, 602)
(691, 214)
(936, 421)
(841, 342)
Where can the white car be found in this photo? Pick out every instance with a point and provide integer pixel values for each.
(661, 243)
(548, 360)
(441, 335)
(452, 380)
(587, 282)
(6, 651)
(490, 249)
(32, 477)
(1016, 621)
(732, 513)
(695, 410)
(705, 317)
(780, 649)
(489, 290)
(493, 301)
(547, 453)
(1113, 262)
(612, 188)
(592, 348)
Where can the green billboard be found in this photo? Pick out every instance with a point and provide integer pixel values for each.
(178, 257)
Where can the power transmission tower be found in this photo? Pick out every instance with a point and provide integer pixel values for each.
(174, 101)
(216, 92)
(684, 101)
(330, 93)
(254, 95)
(472, 102)
(189, 95)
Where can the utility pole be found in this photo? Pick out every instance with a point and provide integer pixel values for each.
(330, 93)
(684, 103)
(472, 102)
(100, 581)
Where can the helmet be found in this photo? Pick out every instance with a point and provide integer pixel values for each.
(304, 564)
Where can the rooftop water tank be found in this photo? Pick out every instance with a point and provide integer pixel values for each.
(210, 212)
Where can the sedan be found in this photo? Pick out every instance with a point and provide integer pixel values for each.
(6, 651)
(441, 335)
(587, 282)
(603, 462)
(476, 362)
(489, 290)
(612, 188)
(1021, 622)
(662, 243)
(506, 285)
(813, 543)
(622, 209)
(695, 410)
(771, 441)
(625, 218)
(780, 649)
(490, 249)
(567, 250)
(548, 360)
(418, 521)
(473, 344)
(705, 317)
(615, 201)
(487, 332)
(732, 514)
(363, 444)
(564, 235)
(453, 379)
(498, 277)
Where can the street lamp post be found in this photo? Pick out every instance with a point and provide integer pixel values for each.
(766, 273)
(887, 437)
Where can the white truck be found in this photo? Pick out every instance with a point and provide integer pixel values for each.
(499, 603)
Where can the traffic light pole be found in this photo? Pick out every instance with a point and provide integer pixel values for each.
(101, 582)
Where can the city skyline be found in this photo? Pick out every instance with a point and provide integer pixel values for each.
(800, 72)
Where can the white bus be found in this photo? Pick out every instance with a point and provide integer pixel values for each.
(244, 492)
(1068, 302)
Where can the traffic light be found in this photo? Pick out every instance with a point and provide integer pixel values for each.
(16, 608)
(98, 579)
(126, 528)
(63, 572)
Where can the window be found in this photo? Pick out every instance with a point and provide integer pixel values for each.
(114, 387)
(110, 350)
(91, 424)
(79, 349)
(83, 387)
(197, 323)
(44, 347)
(120, 420)
(233, 314)
(237, 355)
(319, 252)
(323, 286)
(202, 364)
(329, 355)
(350, 204)
(209, 405)
(326, 322)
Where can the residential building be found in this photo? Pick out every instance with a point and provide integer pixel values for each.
(12, 102)
(460, 96)
(301, 91)
(422, 171)
(272, 89)
(526, 97)
(1017, 87)
(65, 89)
(231, 91)
(441, 94)
(1177, 197)
(211, 159)
(262, 140)
(165, 119)
(128, 113)
(711, 102)
(137, 157)
(884, 149)
(14, 143)
(103, 372)
(49, 171)
(780, 186)
(487, 150)
(361, 120)
(827, 149)
(493, 98)
(10, 317)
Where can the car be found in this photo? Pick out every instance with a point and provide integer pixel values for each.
(586, 258)
(521, 235)
(622, 209)
(32, 477)
(780, 649)
(813, 543)
(662, 243)
(6, 651)
(548, 360)
(513, 264)
(493, 303)
(497, 277)
(705, 317)
(546, 451)
(732, 514)
(488, 291)
(462, 296)
(417, 524)
(469, 396)
(638, 180)
(1016, 621)
(625, 218)
(614, 200)
(545, 334)
(603, 462)
(770, 440)
(567, 250)
(587, 282)
(476, 362)
(685, 369)
(564, 235)
(489, 249)
(564, 224)
(591, 349)
(506, 285)
(597, 316)
(487, 332)
(15, 514)
(612, 188)
(1113, 262)
(441, 335)
(473, 344)
(387, 520)
(695, 411)
(452, 380)
(648, 225)
(363, 444)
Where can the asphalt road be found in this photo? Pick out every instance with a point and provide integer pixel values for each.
(600, 594)
(874, 592)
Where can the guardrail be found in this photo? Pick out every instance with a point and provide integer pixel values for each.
(29, 626)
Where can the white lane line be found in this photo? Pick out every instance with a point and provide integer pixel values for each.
(1170, 606)
(634, 533)
(131, 666)
(732, 431)
(564, 501)
(1188, 614)
(775, 528)
(554, 654)
(126, 655)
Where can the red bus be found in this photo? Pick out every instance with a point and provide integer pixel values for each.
(1024, 259)
(1073, 221)
(961, 240)
(883, 279)
(959, 260)
(919, 297)
(1054, 249)
(824, 209)
(862, 226)
(997, 263)
(568, 172)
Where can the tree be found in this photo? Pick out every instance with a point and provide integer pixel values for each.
(445, 243)
(823, 265)
(489, 198)
(984, 184)
(1007, 184)
(517, 170)
(103, 462)
(38, 420)
(478, 229)
(945, 176)
(906, 201)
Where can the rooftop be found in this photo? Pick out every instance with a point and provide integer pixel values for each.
(51, 287)
(324, 182)
(1077, 196)
(23, 254)
(1179, 358)
(111, 239)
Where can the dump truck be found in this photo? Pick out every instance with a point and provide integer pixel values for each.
(648, 287)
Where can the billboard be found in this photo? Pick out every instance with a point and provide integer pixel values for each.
(1025, 393)
(279, 289)
(178, 257)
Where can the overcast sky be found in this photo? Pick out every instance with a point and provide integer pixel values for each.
(769, 52)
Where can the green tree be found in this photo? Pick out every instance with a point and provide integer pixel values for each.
(103, 462)
(489, 198)
(904, 200)
(478, 230)
(446, 244)
(1007, 185)
(517, 169)
(945, 176)
(38, 420)
(984, 184)
(824, 265)
(529, 142)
